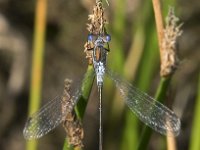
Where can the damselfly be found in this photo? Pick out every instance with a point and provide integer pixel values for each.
(151, 112)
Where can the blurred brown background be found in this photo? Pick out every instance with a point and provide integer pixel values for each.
(64, 58)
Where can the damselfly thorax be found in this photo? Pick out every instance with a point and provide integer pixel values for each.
(99, 54)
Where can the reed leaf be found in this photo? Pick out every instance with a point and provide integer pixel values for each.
(37, 62)
(195, 135)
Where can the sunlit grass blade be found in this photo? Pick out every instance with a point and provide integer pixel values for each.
(37, 62)
(195, 135)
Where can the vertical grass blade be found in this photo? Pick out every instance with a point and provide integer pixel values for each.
(37, 62)
(118, 29)
(195, 135)
(130, 71)
(116, 55)
(86, 89)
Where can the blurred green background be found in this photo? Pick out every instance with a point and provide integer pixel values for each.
(134, 54)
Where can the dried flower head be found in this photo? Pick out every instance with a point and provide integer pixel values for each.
(71, 123)
(169, 58)
(74, 130)
(96, 26)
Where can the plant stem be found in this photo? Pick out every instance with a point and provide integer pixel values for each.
(37, 62)
(195, 135)
(117, 38)
(116, 55)
(86, 89)
(160, 32)
(159, 22)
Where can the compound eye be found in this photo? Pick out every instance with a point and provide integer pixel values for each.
(107, 38)
(90, 37)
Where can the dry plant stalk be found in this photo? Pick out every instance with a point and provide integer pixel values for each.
(169, 58)
(171, 141)
(96, 26)
(159, 22)
(71, 123)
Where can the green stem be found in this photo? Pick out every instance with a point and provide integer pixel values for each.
(86, 89)
(195, 135)
(160, 96)
(37, 62)
(118, 30)
(115, 62)
(67, 146)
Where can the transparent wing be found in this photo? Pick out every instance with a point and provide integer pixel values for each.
(44, 120)
(47, 118)
(151, 112)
